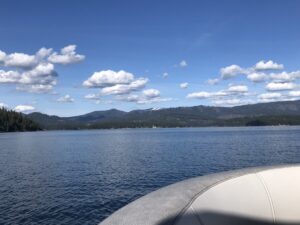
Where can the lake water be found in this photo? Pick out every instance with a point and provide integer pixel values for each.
(81, 177)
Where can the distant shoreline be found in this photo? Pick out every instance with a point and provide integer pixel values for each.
(285, 113)
(262, 114)
(148, 128)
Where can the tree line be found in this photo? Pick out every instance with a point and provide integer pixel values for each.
(11, 121)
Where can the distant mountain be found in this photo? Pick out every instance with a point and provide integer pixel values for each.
(75, 122)
(12, 121)
(275, 113)
(98, 115)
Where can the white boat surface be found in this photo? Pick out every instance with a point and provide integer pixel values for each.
(264, 195)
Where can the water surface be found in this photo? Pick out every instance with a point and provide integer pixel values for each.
(81, 177)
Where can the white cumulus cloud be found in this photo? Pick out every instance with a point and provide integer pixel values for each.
(32, 73)
(151, 93)
(9, 76)
(115, 82)
(294, 93)
(285, 76)
(238, 88)
(147, 96)
(92, 96)
(2, 56)
(67, 55)
(270, 95)
(205, 94)
(35, 88)
(20, 60)
(184, 85)
(268, 65)
(201, 94)
(43, 52)
(120, 89)
(257, 77)
(141, 99)
(24, 108)
(213, 81)
(183, 63)
(231, 71)
(108, 78)
(66, 99)
(273, 86)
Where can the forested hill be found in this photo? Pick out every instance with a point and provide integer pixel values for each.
(12, 121)
(273, 113)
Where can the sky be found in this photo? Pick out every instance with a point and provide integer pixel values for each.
(72, 57)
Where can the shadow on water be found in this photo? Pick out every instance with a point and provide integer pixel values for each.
(217, 218)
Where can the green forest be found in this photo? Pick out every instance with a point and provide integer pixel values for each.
(262, 114)
(11, 121)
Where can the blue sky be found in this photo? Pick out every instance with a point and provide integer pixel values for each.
(138, 54)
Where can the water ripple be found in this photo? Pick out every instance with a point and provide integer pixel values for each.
(81, 177)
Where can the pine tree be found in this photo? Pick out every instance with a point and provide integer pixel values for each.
(11, 121)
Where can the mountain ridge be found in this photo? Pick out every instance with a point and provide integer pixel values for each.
(272, 113)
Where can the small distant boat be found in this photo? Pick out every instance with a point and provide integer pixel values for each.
(265, 195)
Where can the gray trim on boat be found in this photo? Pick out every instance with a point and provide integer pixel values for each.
(166, 205)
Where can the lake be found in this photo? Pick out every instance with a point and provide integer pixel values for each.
(81, 177)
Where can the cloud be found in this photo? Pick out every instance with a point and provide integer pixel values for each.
(184, 85)
(116, 83)
(151, 93)
(67, 55)
(200, 95)
(272, 97)
(183, 63)
(107, 78)
(9, 76)
(257, 77)
(24, 108)
(120, 89)
(268, 96)
(40, 79)
(36, 88)
(231, 71)
(3, 105)
(148, 96)
(141, 99)
(92, 96)
(295, 74)
(268, 65)
(26, 62)
(43, 73)
(205, 94)
(285, 76)
(294, 94)
(213, 81)
(43, 52)
(31, 73)
(2, 56)
(238, 88)
(66, 99)
(261, 72)
(154, 100)
(273, 86)
(165, 75)
(20, 60)
(253, 73)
